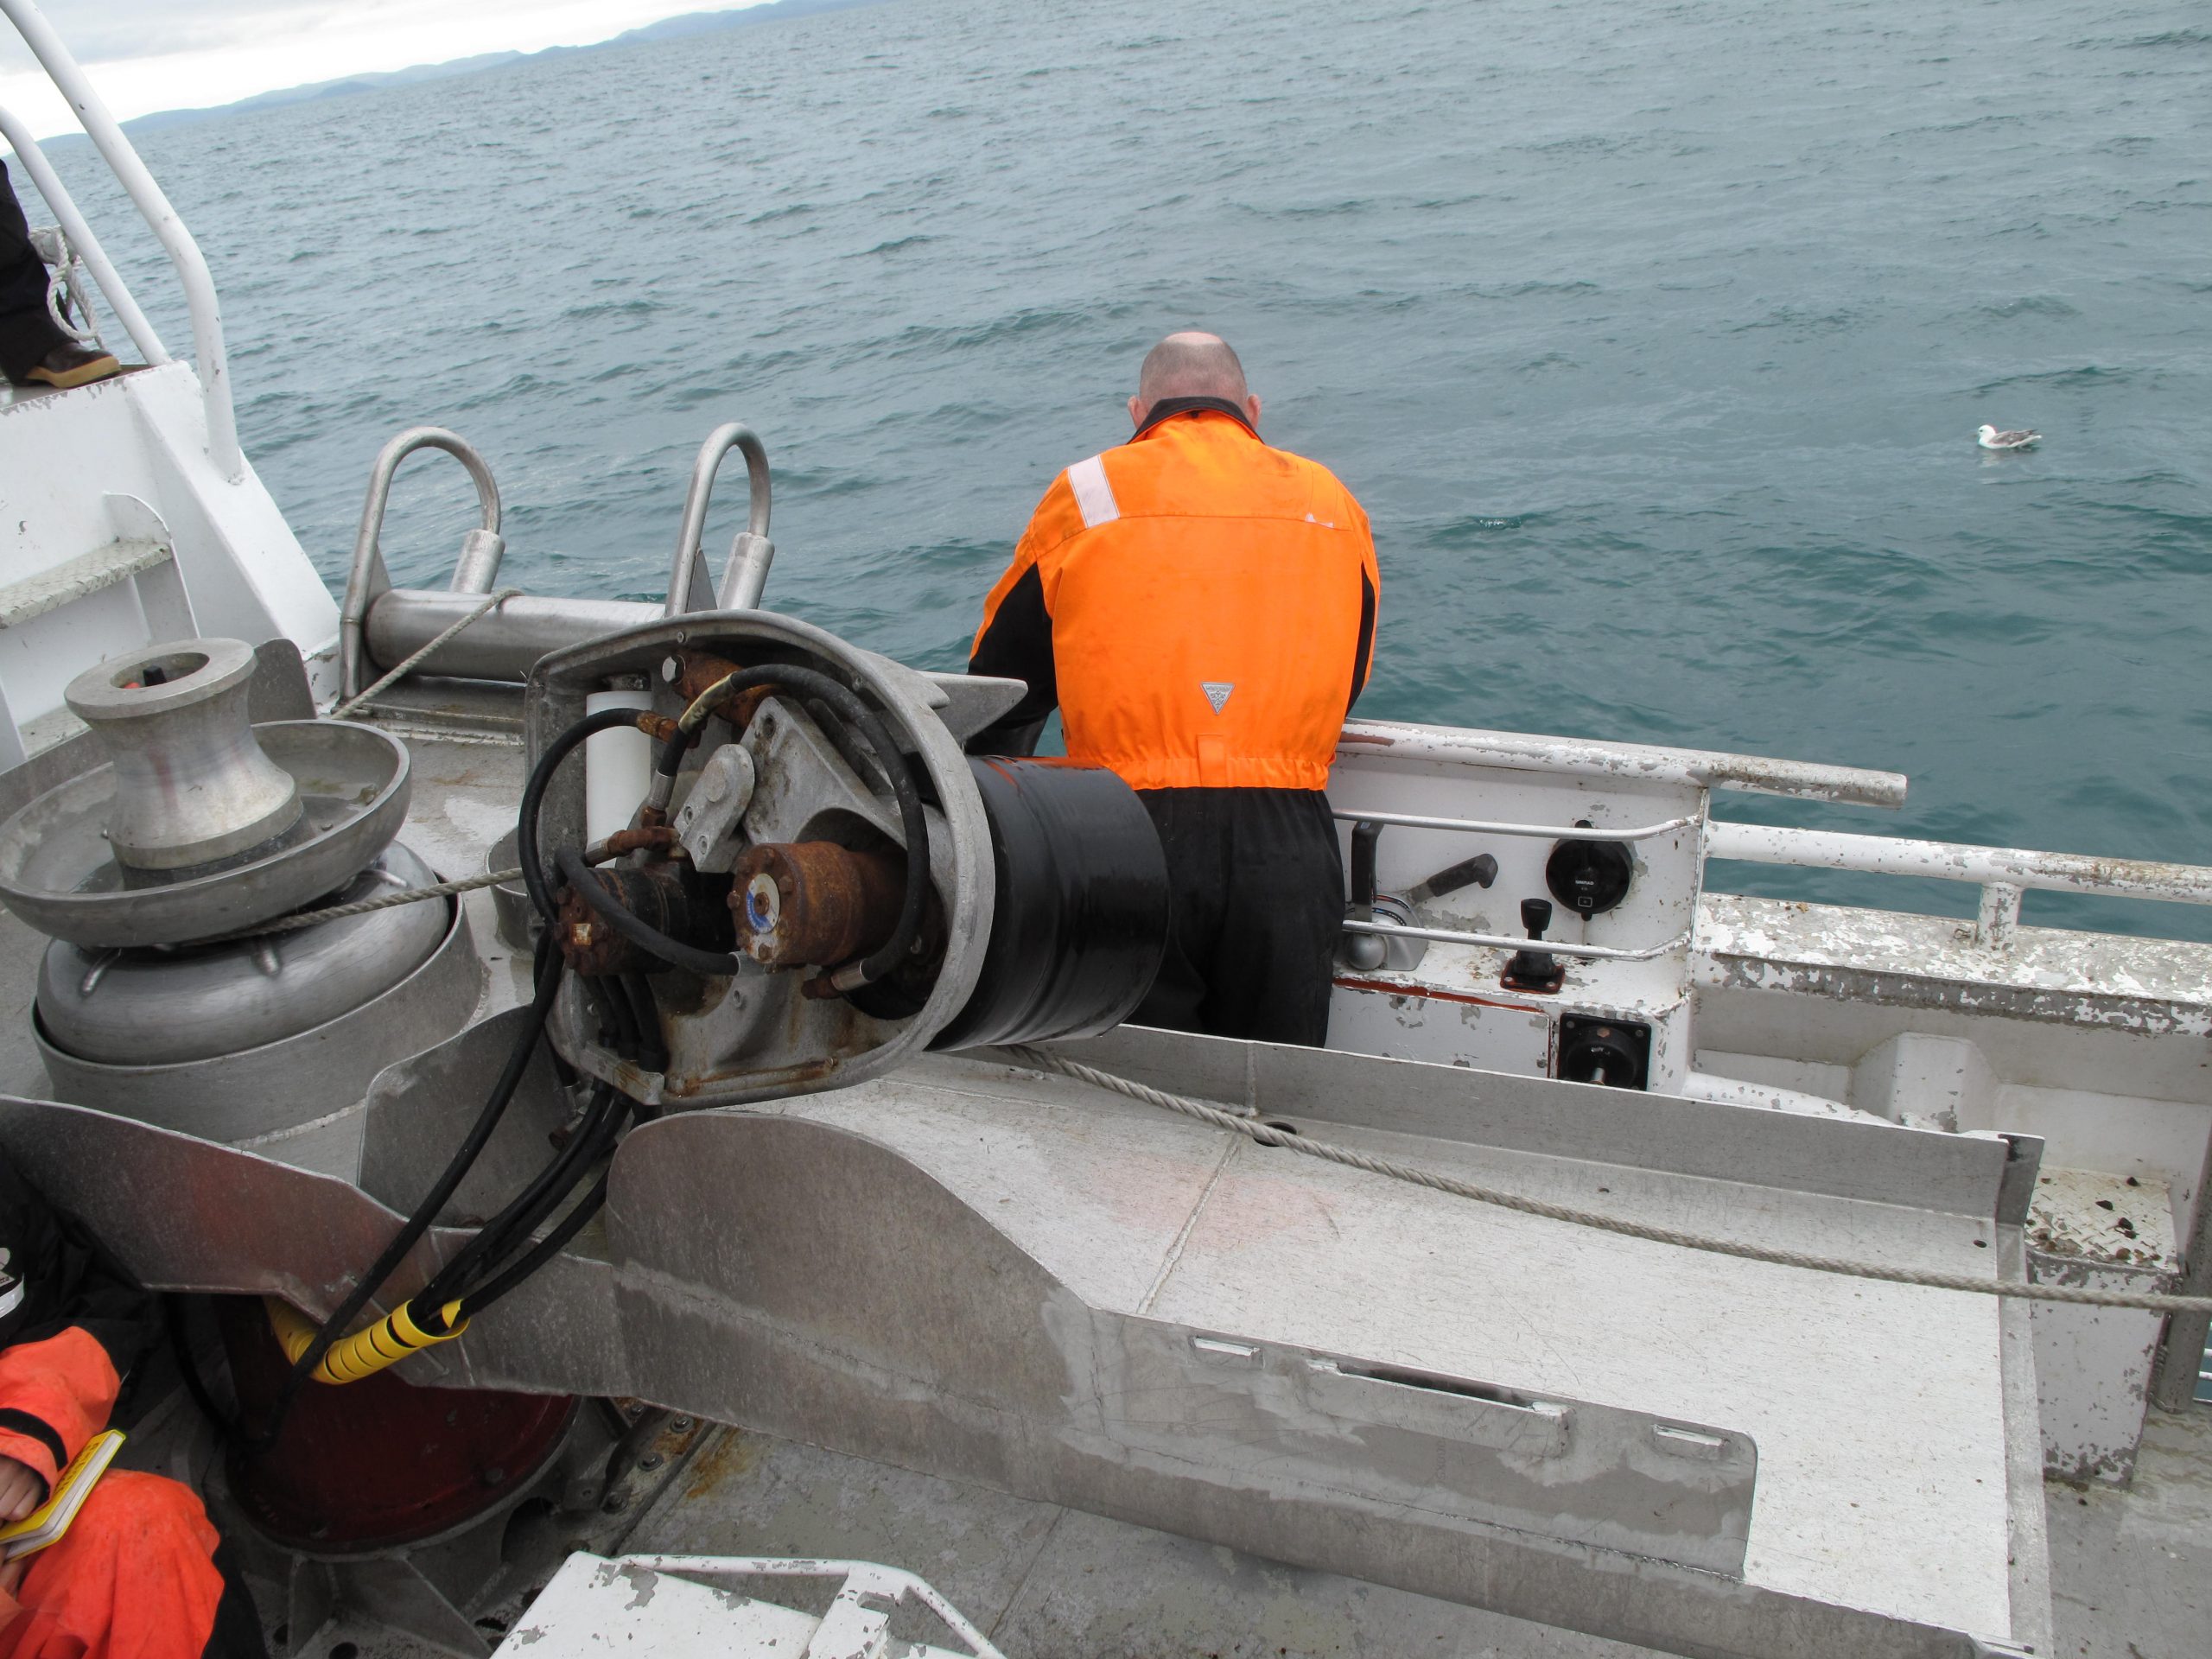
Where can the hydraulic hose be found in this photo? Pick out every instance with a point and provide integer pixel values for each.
(309, 1357)
(528, 1208)
(544, 1251)
(635, 928)
(533, 798)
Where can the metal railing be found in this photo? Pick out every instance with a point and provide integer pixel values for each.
(1487, 827)
(2004, 873)
(213, 358)
(746, 573)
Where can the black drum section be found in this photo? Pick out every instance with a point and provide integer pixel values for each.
(1081, 919)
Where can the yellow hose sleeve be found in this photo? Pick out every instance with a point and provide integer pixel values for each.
(368, 1350)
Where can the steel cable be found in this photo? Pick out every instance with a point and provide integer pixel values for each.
(1253, 1128)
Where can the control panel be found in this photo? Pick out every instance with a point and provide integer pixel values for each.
(1526, 913)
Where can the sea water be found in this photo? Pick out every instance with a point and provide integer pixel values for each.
(1653, 337)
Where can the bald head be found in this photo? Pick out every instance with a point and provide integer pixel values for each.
(1192, 365)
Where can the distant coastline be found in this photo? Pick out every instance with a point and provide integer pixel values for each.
(668, 28)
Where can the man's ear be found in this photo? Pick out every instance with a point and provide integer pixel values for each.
(1252, 408)
(1136, 414)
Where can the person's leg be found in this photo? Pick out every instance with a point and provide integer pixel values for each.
(237, 1633)
(27, 334)
(135, 1575)
(1192, 835)
(1284, 911)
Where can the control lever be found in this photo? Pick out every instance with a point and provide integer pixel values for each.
(1476, 872)
(1364, 952)
(1533, 970)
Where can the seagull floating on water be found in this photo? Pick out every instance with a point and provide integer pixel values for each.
(1991, 438)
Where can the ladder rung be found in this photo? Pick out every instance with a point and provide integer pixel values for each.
(73, 579)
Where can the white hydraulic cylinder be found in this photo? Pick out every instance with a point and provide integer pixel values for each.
(617, 768)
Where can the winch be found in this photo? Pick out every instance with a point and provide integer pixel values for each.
(816, 882)
(151, 873)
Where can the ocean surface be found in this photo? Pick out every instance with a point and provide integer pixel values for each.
(1654, 338)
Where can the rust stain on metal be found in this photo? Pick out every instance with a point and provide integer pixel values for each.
(697, 673)
(1431, 993)
(815, 903)
(732, 1454)
(652, 837)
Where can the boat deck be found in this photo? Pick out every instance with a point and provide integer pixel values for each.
(2130, 1567)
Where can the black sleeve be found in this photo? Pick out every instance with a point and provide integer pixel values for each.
(66, 1279)
(1363, 657)
(1018, 646)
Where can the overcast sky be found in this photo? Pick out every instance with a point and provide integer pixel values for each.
(168, 54)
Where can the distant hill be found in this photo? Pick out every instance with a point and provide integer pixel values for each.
(669, 28)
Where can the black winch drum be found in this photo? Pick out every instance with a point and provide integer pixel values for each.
(1081, 919)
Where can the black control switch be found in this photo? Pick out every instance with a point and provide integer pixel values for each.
(1594, 1049)
(1533, 970)
(1589, 877)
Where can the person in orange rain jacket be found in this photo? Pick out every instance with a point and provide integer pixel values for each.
(138, 1574)
(1201, 609)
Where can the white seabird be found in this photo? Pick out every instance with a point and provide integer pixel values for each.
(1991, 438)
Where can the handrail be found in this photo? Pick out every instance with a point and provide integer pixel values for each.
(1761, 843)
(2004, 873)
(746, 573)
(184, 253)
(367, 580)
(1533, 831)
(1645, 763)
(79, 233)
(1505, 942)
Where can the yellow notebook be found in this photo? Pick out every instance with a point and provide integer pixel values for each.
(45, 1524)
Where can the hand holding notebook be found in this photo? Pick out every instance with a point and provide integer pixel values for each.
(50, 1520)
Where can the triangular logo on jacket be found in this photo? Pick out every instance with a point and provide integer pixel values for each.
(1218, 692)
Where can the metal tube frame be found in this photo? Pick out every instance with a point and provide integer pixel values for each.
(162, 217)
(79, 233)
(1996, 868)
(1534, 832)
(1500, 942)
(368, 581)
(690, 587)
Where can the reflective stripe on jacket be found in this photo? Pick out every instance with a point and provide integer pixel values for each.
(1200, 606)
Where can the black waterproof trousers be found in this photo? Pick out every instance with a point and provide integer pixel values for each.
(1258, 884)
(27, 333)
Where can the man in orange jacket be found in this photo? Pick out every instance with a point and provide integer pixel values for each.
(138, 1574)
(1201, 609)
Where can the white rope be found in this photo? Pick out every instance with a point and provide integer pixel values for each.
(1436, 1180)
(492, 601)
(53, 248)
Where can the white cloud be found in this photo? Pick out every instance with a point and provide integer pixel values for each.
(144, 55)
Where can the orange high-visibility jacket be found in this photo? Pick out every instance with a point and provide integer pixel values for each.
(1200, 606)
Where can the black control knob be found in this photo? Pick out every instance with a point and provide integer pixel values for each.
(1589, 877)
(1533, 970)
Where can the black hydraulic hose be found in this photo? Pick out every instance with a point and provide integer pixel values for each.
(476, 1301)
(634, 927)
(533, 798)
(548, 967)
(187, 1366)
(651, 1051)
(528, 1208)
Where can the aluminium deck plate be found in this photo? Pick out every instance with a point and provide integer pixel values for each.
(1023, 1281)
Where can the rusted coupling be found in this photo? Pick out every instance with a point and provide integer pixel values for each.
(659, 896)
(700, 671)
(814, 904)
(649, 838)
